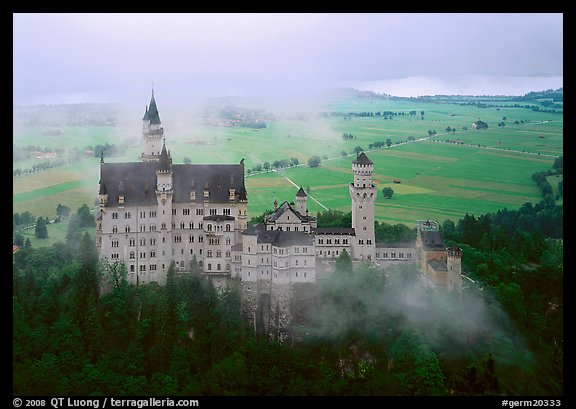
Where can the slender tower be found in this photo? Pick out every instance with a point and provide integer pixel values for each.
(164, 197)
(363, 195)
(152, 132)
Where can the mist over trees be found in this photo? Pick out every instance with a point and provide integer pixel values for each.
(365, 331)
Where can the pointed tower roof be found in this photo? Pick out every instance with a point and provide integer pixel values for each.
(165, 162)
(153, 112)
(363, 160)
(243, 194)
(146, 115)
(301, 193)
(103, 190)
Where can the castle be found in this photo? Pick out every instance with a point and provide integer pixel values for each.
(154, 212)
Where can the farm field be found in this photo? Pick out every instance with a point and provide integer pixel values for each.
(439, 180)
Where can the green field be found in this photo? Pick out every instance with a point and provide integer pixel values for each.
(439, 180)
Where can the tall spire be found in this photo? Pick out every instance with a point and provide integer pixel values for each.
(146, 115)
(153, 111)
(165, 161)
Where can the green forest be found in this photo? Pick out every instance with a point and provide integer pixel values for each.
(367, 332)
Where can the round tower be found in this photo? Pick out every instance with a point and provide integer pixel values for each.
(164, 197)
(363, 194)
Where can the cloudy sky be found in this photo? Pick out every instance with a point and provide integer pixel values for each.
(117, 57)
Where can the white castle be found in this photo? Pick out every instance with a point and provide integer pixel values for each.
(154, 212)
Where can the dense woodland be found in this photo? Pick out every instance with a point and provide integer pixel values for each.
(372, 332)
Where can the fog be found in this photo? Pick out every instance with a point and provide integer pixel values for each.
(292, 58)
(372, 300)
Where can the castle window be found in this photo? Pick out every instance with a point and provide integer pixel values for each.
(304, 249)
(288, 228)
(114, 229)
(132, 255)
(227, 241)
(209, 227)
(152, 254)
(185, 212)
(182, 225)
(142, 242)
(152, 267)
(209, 253)
(218, 267)
(191, 225)
(199, 212)
(173, 212)
(218, 254)
(190, 239)
(209, 266)
(142, 268)
(227, 227)
(142, 214)
(127, 229)
(227, 254)
(114, 243)
(152, 242)
(114, 215)
(132, 268)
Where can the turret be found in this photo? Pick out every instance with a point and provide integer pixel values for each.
(152, 132)
(164, 171)
(454, 267)
(301, 199)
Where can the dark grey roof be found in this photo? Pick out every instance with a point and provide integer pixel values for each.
(279, 238)
(335, 230)
(285, 207)
(437, 265)
(254, 229)
(432, 239)
(146, 115)
(138, 180)
(363, 159)
(165, 161)
(291, 238)
(301, 193)
(153, 112)
(236, 247)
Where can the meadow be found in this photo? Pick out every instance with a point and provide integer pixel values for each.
(485, 171)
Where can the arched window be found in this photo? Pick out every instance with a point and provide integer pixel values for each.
(227, 227)
(209, 266)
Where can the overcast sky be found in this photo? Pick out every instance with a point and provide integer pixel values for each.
(117, 57)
